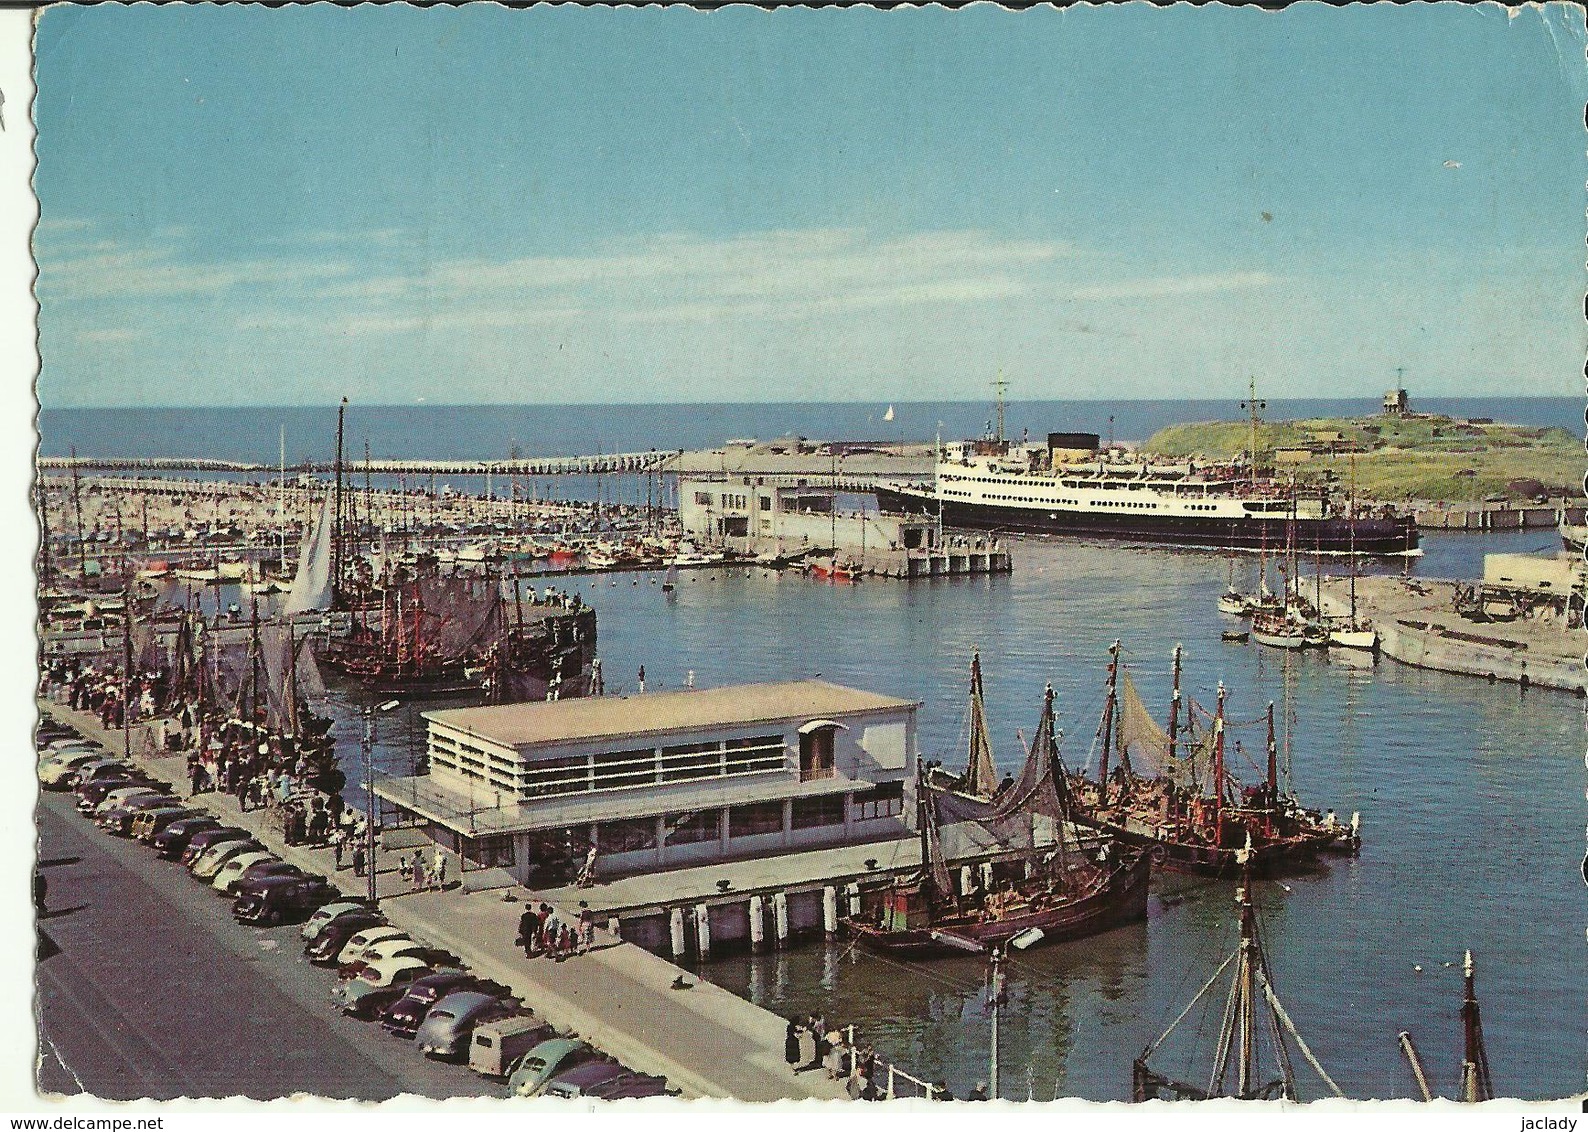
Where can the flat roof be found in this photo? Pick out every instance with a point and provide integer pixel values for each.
(600, 717)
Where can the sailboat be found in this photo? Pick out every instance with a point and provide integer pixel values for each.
(1255, 1036)
(980, 779)
(670, 579)
(1055, 890)
(1354, 634)
(1171, 792)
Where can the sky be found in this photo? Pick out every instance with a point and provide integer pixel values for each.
(241, 205)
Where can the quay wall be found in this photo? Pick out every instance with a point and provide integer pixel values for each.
(1423, 631)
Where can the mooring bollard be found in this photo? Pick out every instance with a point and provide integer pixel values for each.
(830, 911)
(757, 924)
(676, 929)
(852, 892)
(780, 916)
(703, 930)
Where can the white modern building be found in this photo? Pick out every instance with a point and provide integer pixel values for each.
(791, 515)
(663, 780)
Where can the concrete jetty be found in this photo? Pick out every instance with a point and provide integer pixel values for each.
(1418, 625)
(705, 1040)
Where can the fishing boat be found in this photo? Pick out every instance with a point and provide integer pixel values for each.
(1054, 889)
(1354, 632)
(1234, 603)
(830, 569)
(1172, 792)
(1235, 636)
(1279, 631)
(1253, 1058)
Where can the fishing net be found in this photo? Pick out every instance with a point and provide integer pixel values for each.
(1146, 745)
(1031, 811)
(460, 613)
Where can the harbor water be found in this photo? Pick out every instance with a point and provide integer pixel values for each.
(1471, 797)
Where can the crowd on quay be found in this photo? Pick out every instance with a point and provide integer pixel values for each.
(85, 687)
(544, 933)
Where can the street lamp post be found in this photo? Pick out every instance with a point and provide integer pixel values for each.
(367, 749)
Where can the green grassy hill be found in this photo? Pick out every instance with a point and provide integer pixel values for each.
(1419, 457)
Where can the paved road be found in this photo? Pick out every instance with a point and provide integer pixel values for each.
(148, 988)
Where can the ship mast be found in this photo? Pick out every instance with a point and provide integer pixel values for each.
(77, 506)
(337, 507)
(1475, 1083)
(1174, 707)
(999, 387)
(1273, 771)
(1109, 707)
(980, 775)
(1253, 406)
(1218, 772)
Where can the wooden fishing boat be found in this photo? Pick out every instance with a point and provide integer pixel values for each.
(1257, 1041)
(1171, 792)
(1048, 893)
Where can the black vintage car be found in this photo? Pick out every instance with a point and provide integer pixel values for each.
(278, 899)
(325, 947)
(402, 1018)
(172, 841)
(205, 838)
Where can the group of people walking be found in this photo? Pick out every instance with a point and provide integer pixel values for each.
(543, 932)
(423, 876)
(833, 1050)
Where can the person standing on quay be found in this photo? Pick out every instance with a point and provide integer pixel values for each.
(358, 859)
(528, 929)
(418, 868)
(438, 870)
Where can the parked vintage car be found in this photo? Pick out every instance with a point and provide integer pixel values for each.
(402, 1018)
(259, 871)
(497, 1045)
(150, 822)
(210, 861)
(117, 799)
(446, 1030)
(172, 841)
(205, 838)
(325, 914)
(355, 947)
(579, 1080)
(232, 870)
(381, 983)
(630, 1085)
(327, 945)
(537, 1067)
(394, 948)
(93, 794)
(118, 819)
(276, 899)
(95, 769)
(57, 771)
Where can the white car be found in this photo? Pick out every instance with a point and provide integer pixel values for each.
(355, 947)
(55, 745)
(398, 947)
(210, 861)
(56, 771)
(233, 868)
(115, 798)
(316, 923)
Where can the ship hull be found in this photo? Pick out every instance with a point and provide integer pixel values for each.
(1197, 859)
(1122, 901)
(1374, 537)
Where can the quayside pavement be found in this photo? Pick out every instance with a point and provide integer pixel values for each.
(703, 1039)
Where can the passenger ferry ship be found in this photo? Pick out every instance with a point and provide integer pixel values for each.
(1069, 486)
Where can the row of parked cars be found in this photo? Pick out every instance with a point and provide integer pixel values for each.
(415, 992)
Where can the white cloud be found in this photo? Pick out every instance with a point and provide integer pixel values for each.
(1177, 285)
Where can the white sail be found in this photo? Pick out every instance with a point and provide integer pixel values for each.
(311, 589)
(888, 416)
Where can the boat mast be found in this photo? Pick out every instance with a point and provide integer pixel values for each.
(1351, 532)
(337, 506)
(1475, 1083)
(1174, 707)
(1108, 722)
(44, 533)
(281, 508)
(1000, 386)
(1273, 771)
(1218, 772)
(1252, 405)
(979, 771)
(77, 506)
(126, 674)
